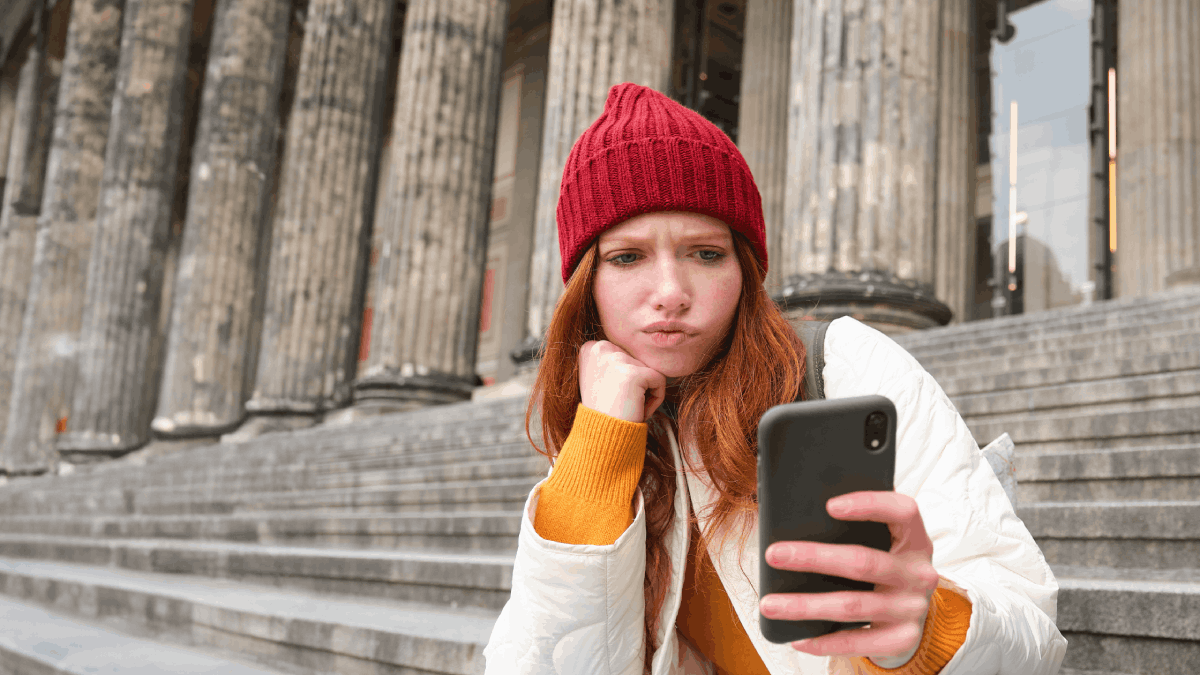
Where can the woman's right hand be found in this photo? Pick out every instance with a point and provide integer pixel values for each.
(616, 384)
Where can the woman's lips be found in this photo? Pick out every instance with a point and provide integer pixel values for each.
(664, 338)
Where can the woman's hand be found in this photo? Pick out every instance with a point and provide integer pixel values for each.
(904, 580)
(616, 384)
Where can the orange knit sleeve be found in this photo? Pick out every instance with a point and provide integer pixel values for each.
(946, 627)
(588, 498)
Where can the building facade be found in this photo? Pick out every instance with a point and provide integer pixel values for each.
(227, 216)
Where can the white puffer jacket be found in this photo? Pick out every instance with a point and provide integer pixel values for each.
(579, 609)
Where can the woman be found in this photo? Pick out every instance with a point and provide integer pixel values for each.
(661, 356)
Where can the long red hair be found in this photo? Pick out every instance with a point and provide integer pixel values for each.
(759, 365)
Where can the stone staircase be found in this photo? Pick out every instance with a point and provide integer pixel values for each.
(1103, 404)
(386, 546)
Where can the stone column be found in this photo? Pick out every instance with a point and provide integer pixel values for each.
(29, 144)
(9, 76)
(1158, 146)
(46, 354)
(957, 144)
(311, 317)
(432, 222)
(862, 163)
(114, 396)
(594, 44)
(206, 373)
(762, 113)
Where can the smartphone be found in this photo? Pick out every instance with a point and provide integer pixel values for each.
(808, 453)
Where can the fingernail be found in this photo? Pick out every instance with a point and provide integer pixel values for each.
(802, 644)
(769, 606)
(838, 504)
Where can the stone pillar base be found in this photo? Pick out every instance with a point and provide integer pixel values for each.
(162, 447)
(367, 410)
(204, 425)
(258, 425)
(1188, 279)
(81, 447)
(892, 305)
(413, 391)
(527, 356)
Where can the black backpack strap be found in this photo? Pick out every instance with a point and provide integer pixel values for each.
(812, 334)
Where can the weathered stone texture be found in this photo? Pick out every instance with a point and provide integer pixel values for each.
(207, 367)
(114, 396)
(593, 45)
(1158, 132)
(29, 144)
(955, 239)
(310, 322)
(862, 151)
(431, 224)
(9, 76)
(762, 112)
(46, 363)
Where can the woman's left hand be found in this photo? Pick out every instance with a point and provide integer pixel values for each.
(904, 580)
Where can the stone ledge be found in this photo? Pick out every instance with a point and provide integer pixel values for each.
(36, 642)
(314, 632)
(1129, 607)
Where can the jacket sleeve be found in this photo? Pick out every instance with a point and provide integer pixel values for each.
(575, 608)
(979, 543)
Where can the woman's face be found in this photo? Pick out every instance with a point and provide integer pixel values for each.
(667, 288)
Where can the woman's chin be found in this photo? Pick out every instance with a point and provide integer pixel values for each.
(672, 366)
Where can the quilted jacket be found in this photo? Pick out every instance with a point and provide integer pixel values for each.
(580, 609)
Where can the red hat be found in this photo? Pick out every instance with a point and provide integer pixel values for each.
(647, 153)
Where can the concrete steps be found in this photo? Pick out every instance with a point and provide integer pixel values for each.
(34, 641)
(465, 531)
(302, 632)
(404, 526)
(1130, 620)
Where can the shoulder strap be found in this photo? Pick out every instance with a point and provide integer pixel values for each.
(812, 334)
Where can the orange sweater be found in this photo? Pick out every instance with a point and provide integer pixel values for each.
(597, 473)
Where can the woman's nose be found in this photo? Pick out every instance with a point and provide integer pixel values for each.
(671, 289)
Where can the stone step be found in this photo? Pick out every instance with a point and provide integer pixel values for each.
(992, 337)
(1120, 534)
(1127, 391)
(1134, 336)
(71, 494)
(34, 641)
(466, 531)
(1164, 472)
(1129, 620)
(992, 382)
(1170, 343)
(1161, 422)
(309, 633)
(497, 494)
(443, 578)
(1118, 312)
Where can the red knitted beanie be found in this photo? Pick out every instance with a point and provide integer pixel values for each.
(647, 153)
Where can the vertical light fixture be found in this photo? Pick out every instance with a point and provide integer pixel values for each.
(1014, 217)
(1112, 160)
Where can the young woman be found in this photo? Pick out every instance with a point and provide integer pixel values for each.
(638, 554)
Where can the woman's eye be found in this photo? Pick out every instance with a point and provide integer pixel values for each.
(710, 256)
(624, 259)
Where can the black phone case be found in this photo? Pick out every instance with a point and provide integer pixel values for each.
(810, 452)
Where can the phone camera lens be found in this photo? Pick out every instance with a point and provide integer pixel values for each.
(875, 433)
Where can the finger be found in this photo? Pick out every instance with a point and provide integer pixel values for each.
(899, 511)
(844, 606)
(851, 561)
(881, 640)
(656, 391)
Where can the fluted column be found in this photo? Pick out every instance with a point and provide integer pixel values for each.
(1158, 151)
(46, 354)
(862, 163)
(9, 76)
(28, 147)
(594, 44)
(431, 225)
(310, 322)
(955, 272)
(762, 113)
(114, 395)
(208, 361)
